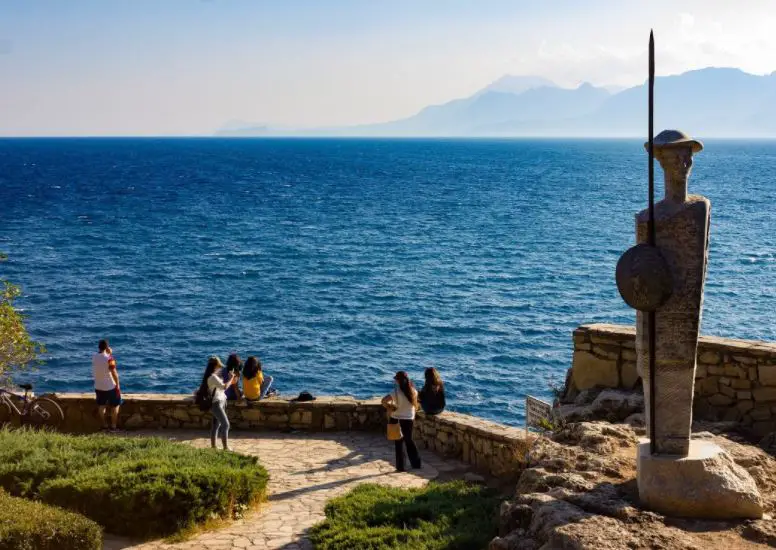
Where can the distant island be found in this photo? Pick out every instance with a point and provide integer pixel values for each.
(711, 102)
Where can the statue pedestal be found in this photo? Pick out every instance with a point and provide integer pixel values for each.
(706, 484)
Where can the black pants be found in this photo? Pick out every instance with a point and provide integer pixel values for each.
(412, 450)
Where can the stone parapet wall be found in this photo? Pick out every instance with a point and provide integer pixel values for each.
(498, 449)
(735, 380)
(493, 448)
(168, 411)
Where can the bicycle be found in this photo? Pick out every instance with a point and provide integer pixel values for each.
(38, 411)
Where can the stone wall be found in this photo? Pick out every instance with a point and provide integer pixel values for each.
(495, 448)
(735, 380)
(167, 411)
(490, 447)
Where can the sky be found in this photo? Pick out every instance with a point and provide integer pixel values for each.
(191, 67)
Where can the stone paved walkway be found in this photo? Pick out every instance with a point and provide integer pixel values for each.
(306, 470)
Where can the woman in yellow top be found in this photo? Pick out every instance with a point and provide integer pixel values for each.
(255, 384)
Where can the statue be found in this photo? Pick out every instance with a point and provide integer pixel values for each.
(662, 278)
(682, 238)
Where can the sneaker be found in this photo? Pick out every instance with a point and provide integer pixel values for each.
(272, 392)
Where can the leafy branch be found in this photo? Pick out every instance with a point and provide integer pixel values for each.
(18, 352)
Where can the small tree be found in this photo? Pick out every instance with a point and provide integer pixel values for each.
(17, 350)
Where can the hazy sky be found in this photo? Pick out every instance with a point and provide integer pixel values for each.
(149, 67)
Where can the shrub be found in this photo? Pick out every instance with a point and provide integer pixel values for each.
(28, 525)
(131, 486)
(449, 516)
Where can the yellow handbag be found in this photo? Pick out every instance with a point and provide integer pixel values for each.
(394, 431)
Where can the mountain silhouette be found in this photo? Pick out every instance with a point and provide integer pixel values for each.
(711, 102)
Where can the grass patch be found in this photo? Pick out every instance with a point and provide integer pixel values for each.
(139, 487)
(441, 516)
(28, 525)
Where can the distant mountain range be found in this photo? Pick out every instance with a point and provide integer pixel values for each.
(712, 102)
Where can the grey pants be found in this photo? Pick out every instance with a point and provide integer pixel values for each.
(220, 426)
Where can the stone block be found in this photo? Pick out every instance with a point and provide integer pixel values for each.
(733, 371)
(727, 390)
(764, 394)
(252, 415)
(134, 422)
(709, 357)
(343, 421)
(701, 371)
(180, 414)
(724, 381)
(752, 373)
(628, 355)
(629, 375)
(304, 418)
(708, 386)
(767, 375)
(740, 384)
(276, 419)
(743, 395)
(719, 400)
(716, 371)
(745, 359)
(761, 412)
(607, 352)
(589, 371)
(602, 339)
(580, 337)
(328, 422)
(706, 484)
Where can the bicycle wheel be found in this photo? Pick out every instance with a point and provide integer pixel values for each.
(45, 412)
(8, 417)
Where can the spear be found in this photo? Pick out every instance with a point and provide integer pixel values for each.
(651, 239)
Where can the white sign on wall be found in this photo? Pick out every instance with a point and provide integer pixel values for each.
(536, 410)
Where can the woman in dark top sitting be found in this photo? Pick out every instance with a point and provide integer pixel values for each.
(233, 367)
(432, 396)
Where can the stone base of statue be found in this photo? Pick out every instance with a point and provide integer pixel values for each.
(706, 484)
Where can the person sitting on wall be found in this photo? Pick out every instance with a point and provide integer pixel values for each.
(255, 385)
(432, 395)
(233, 367)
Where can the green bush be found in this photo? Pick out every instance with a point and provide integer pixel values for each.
(29, 525)
(131, 486)
(440, 516)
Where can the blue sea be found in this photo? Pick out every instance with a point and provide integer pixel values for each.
(339, 262)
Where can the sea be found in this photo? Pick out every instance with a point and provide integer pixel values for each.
(341, 261)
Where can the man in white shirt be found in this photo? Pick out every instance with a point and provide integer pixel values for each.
(106, 384)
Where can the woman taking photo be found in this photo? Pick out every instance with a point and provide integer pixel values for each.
(402, 403)
(432, 396)
(216, 386)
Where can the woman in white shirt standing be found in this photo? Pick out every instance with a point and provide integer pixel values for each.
(403, 402)
(217, 389)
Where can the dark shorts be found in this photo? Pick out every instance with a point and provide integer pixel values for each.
(110, 397)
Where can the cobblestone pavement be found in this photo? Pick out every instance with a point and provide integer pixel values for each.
(306, 470)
